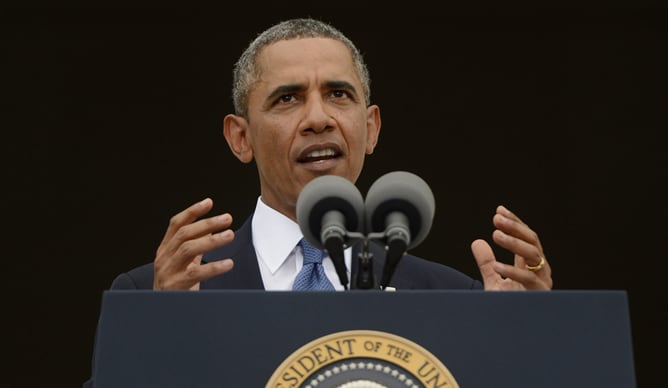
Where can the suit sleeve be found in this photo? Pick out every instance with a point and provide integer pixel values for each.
(139, 278)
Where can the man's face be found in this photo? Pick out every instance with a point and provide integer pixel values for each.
(307, 117)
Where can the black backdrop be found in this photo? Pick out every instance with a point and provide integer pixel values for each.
(112, 123)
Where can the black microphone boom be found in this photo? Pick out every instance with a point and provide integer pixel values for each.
(328, 209)
(399, 207)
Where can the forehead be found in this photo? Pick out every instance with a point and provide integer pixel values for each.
(295, 60)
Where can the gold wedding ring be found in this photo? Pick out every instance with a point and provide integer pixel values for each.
(537, 266)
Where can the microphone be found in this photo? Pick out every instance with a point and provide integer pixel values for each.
(399, 209)
(329, 208)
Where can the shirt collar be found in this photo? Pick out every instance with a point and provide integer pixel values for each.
(274, 235)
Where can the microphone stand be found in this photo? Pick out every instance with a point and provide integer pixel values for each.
(365, 279)
(335, 247)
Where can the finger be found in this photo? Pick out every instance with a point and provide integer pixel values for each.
(484, 256)
(189, 237)
(527, 279)
(201, 272)
(190, 249)
(504, 211)
(186, 217)
(525, 241)
(194, 274)
(197, 272)
(528, 252)
(525, 254)
(510, 224)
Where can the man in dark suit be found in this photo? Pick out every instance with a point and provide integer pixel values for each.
(302, 110)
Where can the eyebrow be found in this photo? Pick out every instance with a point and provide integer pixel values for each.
(293, 88)
(345, 85)
(284, 89)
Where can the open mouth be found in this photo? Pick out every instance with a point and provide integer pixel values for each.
(319, 155)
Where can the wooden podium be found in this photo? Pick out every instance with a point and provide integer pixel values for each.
(324, 339)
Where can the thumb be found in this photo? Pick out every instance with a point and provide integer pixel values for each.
(484, 256)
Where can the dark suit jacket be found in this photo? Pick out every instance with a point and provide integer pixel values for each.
(411, 272)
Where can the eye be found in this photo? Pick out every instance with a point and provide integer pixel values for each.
(285, 98)
(340, 93)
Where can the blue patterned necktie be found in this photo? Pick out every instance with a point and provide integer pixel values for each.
(312, 275)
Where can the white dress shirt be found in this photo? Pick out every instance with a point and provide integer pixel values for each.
(275, 239)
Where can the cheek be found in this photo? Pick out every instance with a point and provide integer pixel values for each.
(357, 135)
(272, 143)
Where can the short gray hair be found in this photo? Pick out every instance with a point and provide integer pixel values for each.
(246, 72)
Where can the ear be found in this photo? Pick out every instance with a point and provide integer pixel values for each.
(372, 127)
(235, 129)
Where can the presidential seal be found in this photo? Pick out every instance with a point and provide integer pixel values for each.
(361, 359)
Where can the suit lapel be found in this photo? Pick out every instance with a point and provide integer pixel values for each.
(246, 272)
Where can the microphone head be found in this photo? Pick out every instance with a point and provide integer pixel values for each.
(402, 192)
(323, 194)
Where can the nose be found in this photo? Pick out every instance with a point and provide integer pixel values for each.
(317, 117)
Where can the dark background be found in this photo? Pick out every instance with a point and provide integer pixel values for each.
(112, 117)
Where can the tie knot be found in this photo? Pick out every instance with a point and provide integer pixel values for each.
(312, 276)
(311, 254)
